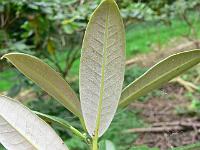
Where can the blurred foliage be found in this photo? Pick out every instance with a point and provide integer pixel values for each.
(46, 29)
(124, 119)
(75, 144)
(133, 73)
(106, 145)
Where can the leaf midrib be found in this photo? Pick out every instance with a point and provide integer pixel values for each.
(103, 75)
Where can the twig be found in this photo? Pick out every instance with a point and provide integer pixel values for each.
(188, 85)
(167, 127)
(177, 123)
(154, 129)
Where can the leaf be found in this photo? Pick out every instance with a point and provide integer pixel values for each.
(102, 67)
(47, 78)
(159, 74)
(106, 145)
(20, 129)
(62, 123)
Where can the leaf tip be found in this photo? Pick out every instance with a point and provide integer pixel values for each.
(9, 55)
(4, 56)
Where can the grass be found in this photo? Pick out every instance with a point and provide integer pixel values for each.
(141, 37)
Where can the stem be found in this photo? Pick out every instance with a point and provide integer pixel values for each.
(78, 133)
(95, 143)
(95, 139)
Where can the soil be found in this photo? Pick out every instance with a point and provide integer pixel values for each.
(163, 109)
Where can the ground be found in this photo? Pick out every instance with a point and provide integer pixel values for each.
(162, 114)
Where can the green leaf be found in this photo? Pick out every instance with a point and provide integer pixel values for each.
(61, 122)
(22, 129)
(47, 78)
(106, 145)
(159, 74)
(102, 67)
